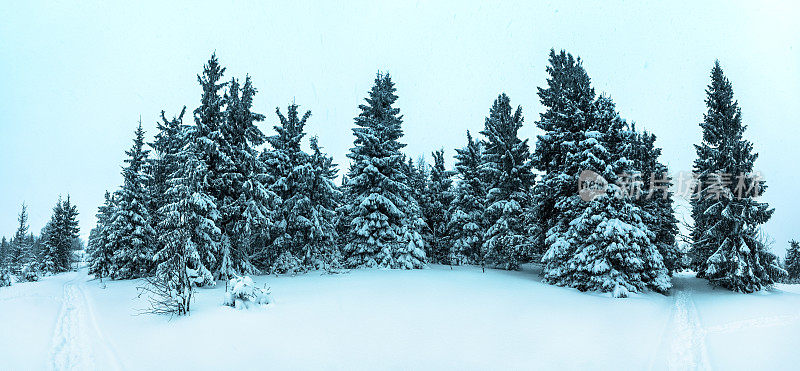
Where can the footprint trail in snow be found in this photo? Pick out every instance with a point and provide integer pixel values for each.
(71, 347)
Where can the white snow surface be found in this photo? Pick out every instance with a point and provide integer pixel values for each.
(393, 319)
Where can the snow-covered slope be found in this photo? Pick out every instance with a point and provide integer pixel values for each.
(429, 319)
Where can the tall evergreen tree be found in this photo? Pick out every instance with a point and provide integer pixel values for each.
(652, 194)
(188, 235)
(467, 209)
(130, 233)
(606, 246)
(384, 219)
(303, 183)
(246, 206)
(60, 233)
(99, 251)
(209, 119)
(226, 135)
(435, 210)
(726, 247)
(325, 197)
(289, 170)
(169, 140)
(506, 166)
(568, 100)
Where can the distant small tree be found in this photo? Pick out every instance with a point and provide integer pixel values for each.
(60, 234)
(435, 210)
(21, 252)
(100, 256)
(793, 262)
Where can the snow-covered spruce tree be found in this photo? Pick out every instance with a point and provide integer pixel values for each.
(5, 266)
(289, 168)
(506, 167)
(792, 263)
(568, 100)
(130, 233)
(467, 209)
(606, 246)
(21, 253)
(438, 195)
(246, 205)
(60, 232)
(325, 198)
(209, 119)
(168, 142)
(417, 177)
(653, 195)
(98, 248)
(305, 231)
(726, 248)
(188, 235)
(384, 219)
(226, 134)
(5, 254)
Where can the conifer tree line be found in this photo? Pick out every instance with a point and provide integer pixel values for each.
(213, 196)
(55, 250)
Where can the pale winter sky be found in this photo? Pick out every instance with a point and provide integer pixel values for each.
(76, 78)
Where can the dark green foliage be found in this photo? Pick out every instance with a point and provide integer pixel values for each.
(467, 209)
(58, 236)
(384, 219)
(726, 246)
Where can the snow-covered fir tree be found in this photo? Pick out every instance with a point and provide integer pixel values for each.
(303, 182)
(438, 195)
(727, 216)
(226, 136)
(59, 234)
(650, 183)
(325, 198)
(209, 119)
(606, 246)
(245, 204)
(130, 232)
(417, 175)
(21, 253)
(567, 99)
(467, 209)
(506, 167)
(384, 219)
(168, 142)
(99, 253)
(188, 235)
(792, 262)
(5, 254)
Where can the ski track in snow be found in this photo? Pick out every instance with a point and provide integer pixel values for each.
(761, 322)
(685, 336)
(72, 347)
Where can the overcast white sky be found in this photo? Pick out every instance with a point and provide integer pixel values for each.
(76, 78)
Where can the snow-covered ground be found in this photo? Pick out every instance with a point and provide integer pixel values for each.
(388, 319)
